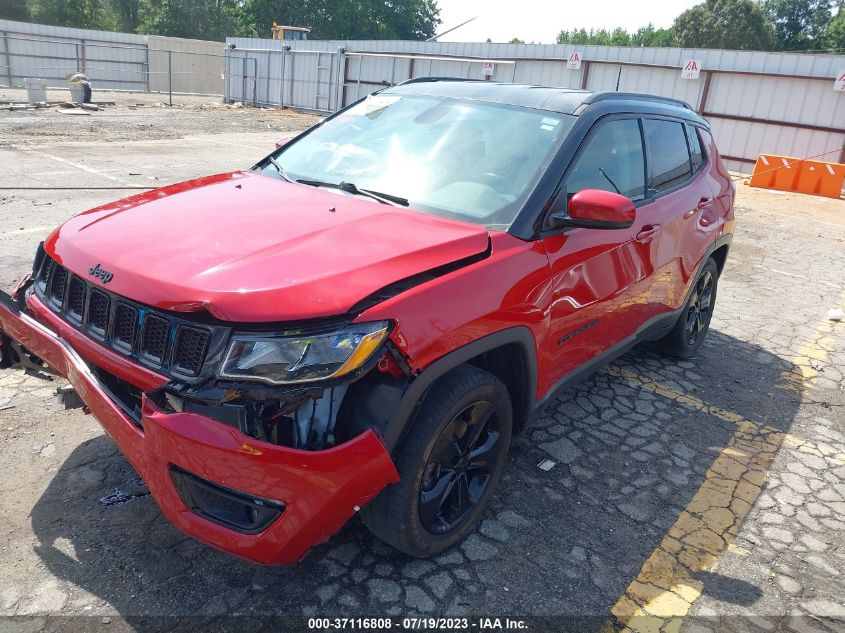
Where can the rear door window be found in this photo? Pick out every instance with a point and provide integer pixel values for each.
(668, 152)
(613, 160)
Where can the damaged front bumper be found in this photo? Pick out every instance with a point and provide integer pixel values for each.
(256, 500)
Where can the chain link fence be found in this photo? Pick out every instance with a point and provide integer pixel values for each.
(121, 74)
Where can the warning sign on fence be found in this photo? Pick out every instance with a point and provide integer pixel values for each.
(487, 69)
(839, 84)
(574, 61)
(691, 69)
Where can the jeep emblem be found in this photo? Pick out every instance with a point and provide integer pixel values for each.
(103, 274)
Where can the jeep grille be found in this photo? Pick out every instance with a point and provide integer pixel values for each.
(154, 337)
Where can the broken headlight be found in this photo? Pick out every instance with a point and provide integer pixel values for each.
(296, 358)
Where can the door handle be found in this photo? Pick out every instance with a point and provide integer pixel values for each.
(647, 232)
(704, 203)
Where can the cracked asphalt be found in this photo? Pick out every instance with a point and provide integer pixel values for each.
(698, 496)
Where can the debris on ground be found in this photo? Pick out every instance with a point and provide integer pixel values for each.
(134, 489)
(835, 314)
(62, 105)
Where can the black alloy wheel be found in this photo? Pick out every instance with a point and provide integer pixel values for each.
(449, 463)
(698, 312)
(459, 470)
(688, 333)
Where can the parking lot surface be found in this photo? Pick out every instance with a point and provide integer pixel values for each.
(703, 495)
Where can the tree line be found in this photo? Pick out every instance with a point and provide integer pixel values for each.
(767, 25)
(216, 19)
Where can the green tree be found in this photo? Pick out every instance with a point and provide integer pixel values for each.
(126, 12)
(799, 24)
(516, 40)
(650, 36)
(644, 36)
(15, 10)
(833, 38)
(345, 19)
(620, 37)
(199, 19)
(83, 14)
(731, 24)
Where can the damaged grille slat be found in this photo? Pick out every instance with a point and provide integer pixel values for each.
(154, 337)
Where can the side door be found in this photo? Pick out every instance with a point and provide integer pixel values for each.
(596, 273)
(681, 198)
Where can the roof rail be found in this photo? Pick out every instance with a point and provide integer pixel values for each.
(635, 96)
(421, 80)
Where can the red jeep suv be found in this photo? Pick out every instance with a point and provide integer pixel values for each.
(360, 322)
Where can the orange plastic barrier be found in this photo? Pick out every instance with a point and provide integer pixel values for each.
(801, 176)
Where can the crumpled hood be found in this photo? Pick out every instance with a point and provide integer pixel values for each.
(251, 248)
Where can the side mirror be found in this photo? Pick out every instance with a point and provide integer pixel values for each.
(282, 142)
(596, 209)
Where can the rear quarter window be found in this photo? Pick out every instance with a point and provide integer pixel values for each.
(698, 158)
(669, 153)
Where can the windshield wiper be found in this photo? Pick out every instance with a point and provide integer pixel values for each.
(279, 168)
(612, 184)
(351, 187)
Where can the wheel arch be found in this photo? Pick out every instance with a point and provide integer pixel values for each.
(494, 353)
(720, 255)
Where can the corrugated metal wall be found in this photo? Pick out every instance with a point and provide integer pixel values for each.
(779, 103)
(112, 60)
(115, 61)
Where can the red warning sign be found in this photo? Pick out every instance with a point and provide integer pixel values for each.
(574, 61)
(691, 69)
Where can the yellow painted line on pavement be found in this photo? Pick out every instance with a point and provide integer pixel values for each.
(813, 355)
(792, 441)
(662, 594)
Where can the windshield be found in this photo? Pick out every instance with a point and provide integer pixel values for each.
(466, 160)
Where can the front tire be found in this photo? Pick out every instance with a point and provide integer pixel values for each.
(449, 464)
(689, 331)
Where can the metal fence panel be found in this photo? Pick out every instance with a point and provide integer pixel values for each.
(114, 66)
(812, 102)
(117, 72)
(780, 103)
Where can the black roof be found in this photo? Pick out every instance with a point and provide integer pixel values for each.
(562, 100)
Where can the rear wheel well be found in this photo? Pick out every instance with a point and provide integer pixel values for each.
(720, 255)
(509, 363)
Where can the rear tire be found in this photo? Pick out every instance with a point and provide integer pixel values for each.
(692, 325)
(449, 464)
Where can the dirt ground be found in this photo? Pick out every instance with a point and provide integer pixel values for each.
(700, 496)
(140, 117)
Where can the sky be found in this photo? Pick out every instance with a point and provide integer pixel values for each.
(541, 20)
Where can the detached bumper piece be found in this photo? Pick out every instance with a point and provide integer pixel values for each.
(266, 503)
